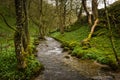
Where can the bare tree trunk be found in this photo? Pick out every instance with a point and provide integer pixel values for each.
(95, 9)
(111, 35)
(61, 16)
(80, 14)
(19, 35)
(87, 12)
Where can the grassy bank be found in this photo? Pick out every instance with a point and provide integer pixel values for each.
(100, 50)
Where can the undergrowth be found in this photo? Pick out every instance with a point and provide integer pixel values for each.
(8, 63)
(8, 66)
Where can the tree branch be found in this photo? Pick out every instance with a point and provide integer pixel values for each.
(37, 24)
(7, 22)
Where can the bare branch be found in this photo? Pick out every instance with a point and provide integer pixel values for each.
(36, 23)
(7, 22)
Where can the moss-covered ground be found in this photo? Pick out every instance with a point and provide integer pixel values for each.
(100, 50)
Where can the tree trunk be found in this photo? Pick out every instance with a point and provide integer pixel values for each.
(95, 9)
(41, 31)
(86, 42)
(19, 35)
(87, 12)
(58, 14)
(111, 35)
(64, 14)
(93, 28)
(61, 16)
(80, 14)
(70, 18)
(26, 39)
(95, 15)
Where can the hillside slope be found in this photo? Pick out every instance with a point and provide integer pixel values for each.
(101, 49)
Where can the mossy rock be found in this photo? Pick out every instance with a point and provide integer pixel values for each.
(78, 52)
(64, 44)
(79, 55)
(85, 47)
(85, 44)
(66, 48)
(90, 56)
(72, 44)
(36, 42)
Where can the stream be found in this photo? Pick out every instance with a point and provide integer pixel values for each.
(61, 66)
(51, 55)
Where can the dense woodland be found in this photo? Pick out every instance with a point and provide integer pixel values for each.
(85, 31)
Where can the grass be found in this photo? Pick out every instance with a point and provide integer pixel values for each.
(100, 50)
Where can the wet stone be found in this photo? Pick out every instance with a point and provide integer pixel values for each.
(67, 57)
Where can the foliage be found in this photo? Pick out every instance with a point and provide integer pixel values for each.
(8, 61)
(114, 16)
(8, 66)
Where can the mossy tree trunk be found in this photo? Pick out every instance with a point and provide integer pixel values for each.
(93, 28)
(86, 42)
(41, 28)
(19, 35)
(26, 39)
(111, 34)
(57, 13)
(95, 17)
(64, 13)
(70, 17)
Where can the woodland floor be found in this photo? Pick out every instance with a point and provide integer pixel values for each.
(60, 65)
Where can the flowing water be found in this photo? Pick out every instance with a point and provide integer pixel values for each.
(61, 66)
(51, 55)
